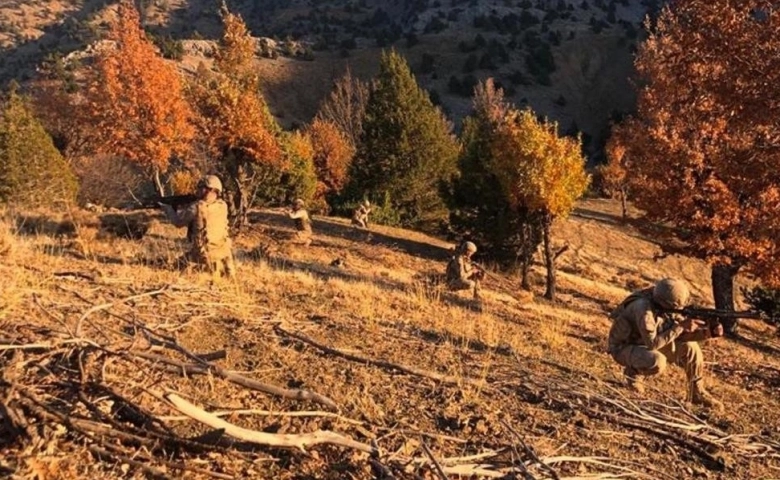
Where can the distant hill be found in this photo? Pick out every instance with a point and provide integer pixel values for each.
(568, 60)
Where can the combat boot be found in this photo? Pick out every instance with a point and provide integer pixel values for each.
(697, 395)
(634, 381)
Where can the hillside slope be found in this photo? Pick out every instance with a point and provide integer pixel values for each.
(408, 365)
(569, 60)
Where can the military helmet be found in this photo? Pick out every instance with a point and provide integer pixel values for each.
(671, 293)
(298, 202)
(212, 182)
(469, 247)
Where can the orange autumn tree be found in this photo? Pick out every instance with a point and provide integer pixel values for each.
(333, 153)
(234, 121)
(134, 99)
(539, 172)
(703, 149)
(614, 177)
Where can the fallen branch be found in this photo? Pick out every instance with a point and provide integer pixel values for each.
(436, 464)
(205, 367)
(149, 470)
(530, 451)
(299, 441)
(600, 461)
(386, 473)
(104, 306)
(174, 465)
(449, 379)
(47, 345)
(225, 413)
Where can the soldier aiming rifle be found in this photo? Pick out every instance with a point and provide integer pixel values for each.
(654, 327)
(206, 219)
(712, 317)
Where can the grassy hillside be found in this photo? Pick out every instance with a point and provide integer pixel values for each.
(407, 365)
(569, 60)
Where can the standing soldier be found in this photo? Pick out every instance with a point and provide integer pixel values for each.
(299, 214)
(461, 273)
(645, 337)
(207, 222)
(360, 217)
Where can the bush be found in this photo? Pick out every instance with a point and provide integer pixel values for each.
(110, 181)
(169, 47)
(382, 210)
(32, 171)
(300, 181)
(183, 182)
(765, 301)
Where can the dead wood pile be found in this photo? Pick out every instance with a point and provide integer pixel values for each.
(105, 380)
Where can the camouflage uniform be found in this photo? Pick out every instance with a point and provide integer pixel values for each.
(303, 232)
(360, 217)
(207, 222)
(461, 274)
(644, 339)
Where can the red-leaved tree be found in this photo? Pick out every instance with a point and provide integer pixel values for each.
(701, 154)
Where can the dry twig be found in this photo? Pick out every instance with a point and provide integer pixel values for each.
(299, 441)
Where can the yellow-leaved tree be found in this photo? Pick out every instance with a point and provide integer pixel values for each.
(134, 102)
(539, 172)
(234, 121)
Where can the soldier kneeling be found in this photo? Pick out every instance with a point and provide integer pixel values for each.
(461, 273)
(644, 338)
(207, 222)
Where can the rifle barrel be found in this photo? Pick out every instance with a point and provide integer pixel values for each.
(715, 313)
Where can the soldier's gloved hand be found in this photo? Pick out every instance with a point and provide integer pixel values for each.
(716, 331)
(690, 325)
(167, 209)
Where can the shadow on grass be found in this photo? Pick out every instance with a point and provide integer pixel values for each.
(753, 344)
(325, 227)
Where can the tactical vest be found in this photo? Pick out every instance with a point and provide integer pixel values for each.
(210, 230)
(303, 224)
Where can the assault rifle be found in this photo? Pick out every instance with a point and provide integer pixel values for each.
(482, 272)
(713, 316)
(176, 201)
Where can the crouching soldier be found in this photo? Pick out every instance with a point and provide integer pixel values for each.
(461, 273)
(645, 337)
(360, 217)
(207, 222)
(302, 221)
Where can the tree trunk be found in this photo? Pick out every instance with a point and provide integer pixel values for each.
(158, 183)
(623, 206)
(723, 293)
(527, 255)
(549, 260)
(525, 284)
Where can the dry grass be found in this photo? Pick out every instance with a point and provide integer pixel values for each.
(377, 306)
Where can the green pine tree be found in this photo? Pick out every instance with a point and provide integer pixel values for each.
(407, 150)
(479, 211)
(33, 173)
